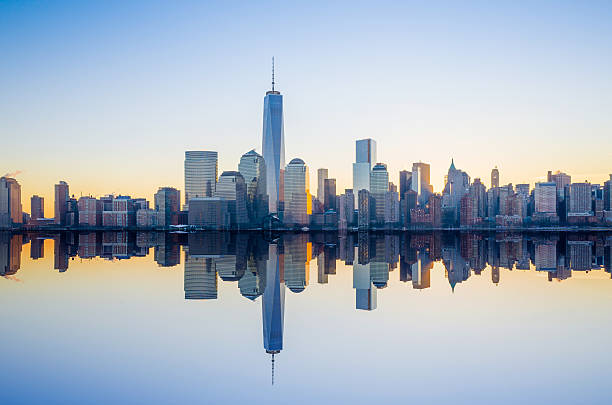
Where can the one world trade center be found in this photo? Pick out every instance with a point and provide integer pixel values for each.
(274, 147)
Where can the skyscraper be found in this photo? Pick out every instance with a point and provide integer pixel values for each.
(494, 177)
(580, 200)
(546, 198)
(231, 187)
(379, 185)
(201, 170)
(10, 202)
(167, 204)
(322, 174)
(273, 147)
(61, 199)
(365, 156)
(37, 207)
(330, 194)
(297, 193)
(253, 168)
(420, 182)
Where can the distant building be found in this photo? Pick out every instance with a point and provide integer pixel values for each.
(608, 194)
(329, 193)
(365, 156)
(322, 175)
(119, 213)
(561, 180)
(209, 212)
(148, 218)
(580, 200)
(379, 185)
(201, 170)
(37, 207)
(167, 202)
(298, 204)
(494, 177)
(420, 182)
(253, 168)
(392, 208)
(90, 211)
(546, 198)
(61, 198)
(10, 202)
(363, 216)
(405, 182)
(232, 188)
(346, 209)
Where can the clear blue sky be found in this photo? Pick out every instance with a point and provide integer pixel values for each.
(108, 95)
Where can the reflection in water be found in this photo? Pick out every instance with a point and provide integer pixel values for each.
(261, 267)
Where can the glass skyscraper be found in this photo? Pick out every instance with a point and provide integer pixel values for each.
(201, 170)
(274, 148)
(365, 156)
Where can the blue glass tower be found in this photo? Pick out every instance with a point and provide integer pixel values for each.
(274, 147)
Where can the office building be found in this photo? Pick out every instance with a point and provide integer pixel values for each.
(298, 204)
(201, 171)
(546, 198)
(232, 188)
(379, 185)
(329, 194)
(580, 200)
(322, 175)
(364, 209)
(273, 147)
(62, 196)
(561, 181)
(167, 202)
(37, 207)
(420, 182)
(365, 156)
(494, 177)
(253, 169)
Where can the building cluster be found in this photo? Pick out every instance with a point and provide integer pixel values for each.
(266, 192)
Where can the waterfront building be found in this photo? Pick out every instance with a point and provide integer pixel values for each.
(253, 169)
(232, 188)
(273, 147)
(365, 156)
(298, 204)
(322, 175)
(10, 202)
(201, 170)
(90, 211)
(420, 182)
(167, 202)
(61, 198)
(379, 185)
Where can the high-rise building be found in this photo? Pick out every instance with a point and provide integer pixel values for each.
(363, 214)
(322, 175)
(201, 171)
(37, 207)
(273, 147)
(420, 182)
(61, 199)
(365, 156)
(90, 211)
(346, 209)
(494, 177)
(167, 203)
(253, 168)
(231, 187)
(379, 185)
(405, 182)
(329, 193)
(561, 180)
(580, 199)
(546, 198)
(298, 204)
(10, 202)
(608, 194)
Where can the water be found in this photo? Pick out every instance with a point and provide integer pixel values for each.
(216, 318)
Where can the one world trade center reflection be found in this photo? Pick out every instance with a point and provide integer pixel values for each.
(273, 303)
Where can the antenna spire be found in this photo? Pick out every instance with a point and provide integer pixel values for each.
(272, 368)
(273, 73)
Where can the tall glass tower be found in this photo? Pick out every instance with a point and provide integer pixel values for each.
(274, 147)
(201, 169)
(365, 157)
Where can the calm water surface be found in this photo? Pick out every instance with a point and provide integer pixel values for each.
(218, 318)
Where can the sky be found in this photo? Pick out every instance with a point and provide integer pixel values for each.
(108, 95)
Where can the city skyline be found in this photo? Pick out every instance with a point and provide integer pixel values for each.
(454, 94)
